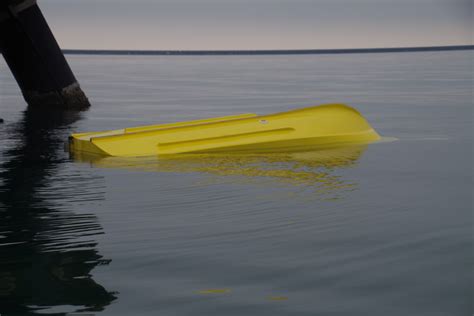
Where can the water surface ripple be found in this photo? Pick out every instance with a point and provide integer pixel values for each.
(383, 229)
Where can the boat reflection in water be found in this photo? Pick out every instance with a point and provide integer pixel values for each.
(47, 251)
(316, 169)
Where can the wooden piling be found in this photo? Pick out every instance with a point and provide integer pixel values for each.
(35, 59)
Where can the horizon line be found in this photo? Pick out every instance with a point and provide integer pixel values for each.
(267, 51)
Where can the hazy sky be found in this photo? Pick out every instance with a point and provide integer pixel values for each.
(258, 24)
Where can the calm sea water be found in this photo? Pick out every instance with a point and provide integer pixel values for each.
(384, 229)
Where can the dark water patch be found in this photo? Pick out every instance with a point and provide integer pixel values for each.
(46, 250)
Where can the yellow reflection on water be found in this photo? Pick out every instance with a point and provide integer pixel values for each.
(214, 291)
(314, 168)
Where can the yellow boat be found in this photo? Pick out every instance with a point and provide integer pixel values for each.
(297, 130)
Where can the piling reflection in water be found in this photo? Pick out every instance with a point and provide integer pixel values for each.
(46, 251)
(316, 169)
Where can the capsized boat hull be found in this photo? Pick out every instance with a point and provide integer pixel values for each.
(297, 130)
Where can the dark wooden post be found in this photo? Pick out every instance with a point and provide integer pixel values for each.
(35, 59)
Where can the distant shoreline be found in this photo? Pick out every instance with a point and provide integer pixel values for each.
(266, 52)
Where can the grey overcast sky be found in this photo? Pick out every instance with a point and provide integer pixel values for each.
(258, 24)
